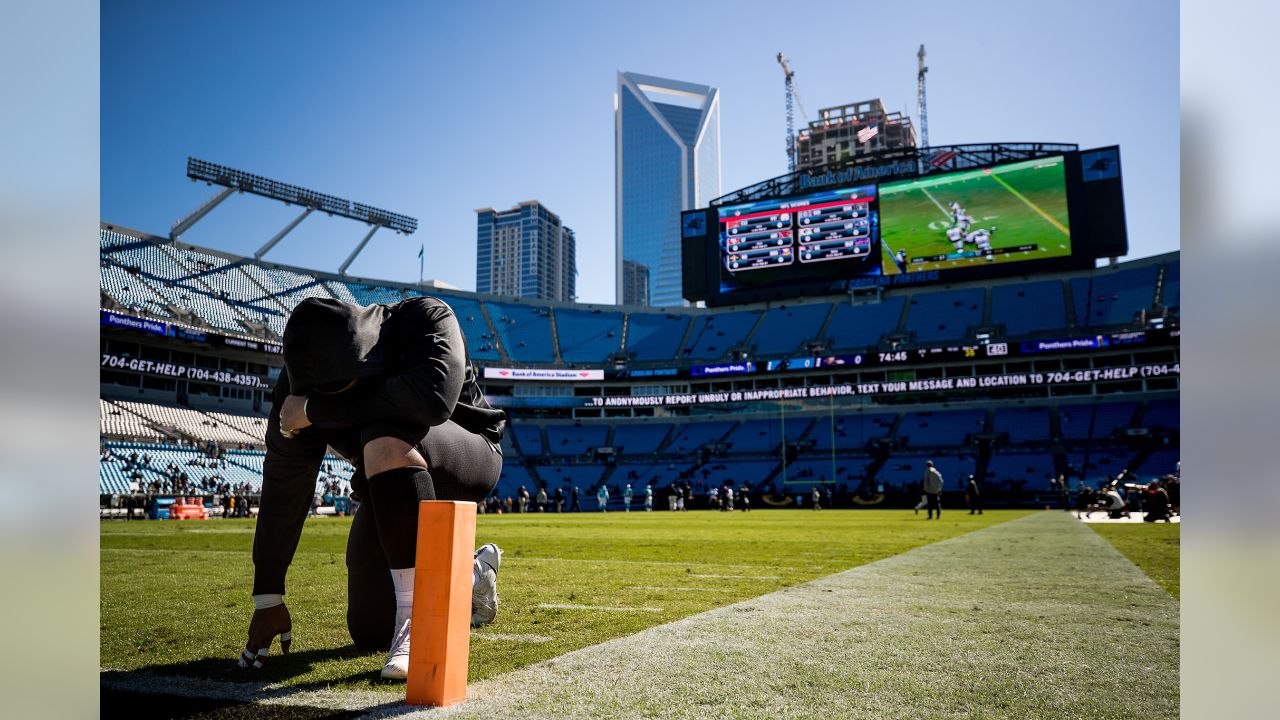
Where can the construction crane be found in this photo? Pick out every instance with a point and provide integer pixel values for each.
(922, 109)
(793, 100)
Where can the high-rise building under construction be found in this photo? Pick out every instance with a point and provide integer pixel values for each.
(848, 131)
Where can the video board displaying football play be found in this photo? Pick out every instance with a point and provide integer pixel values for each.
(887, 226)
(1005, 214)
(831, 235)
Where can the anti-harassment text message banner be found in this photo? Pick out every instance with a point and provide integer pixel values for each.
(898, 387)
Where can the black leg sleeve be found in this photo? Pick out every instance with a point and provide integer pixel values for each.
(395, 495)
(371, 599)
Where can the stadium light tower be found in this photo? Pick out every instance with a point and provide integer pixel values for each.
(233, 180)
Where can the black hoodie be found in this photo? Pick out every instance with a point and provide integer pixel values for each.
(412, 365)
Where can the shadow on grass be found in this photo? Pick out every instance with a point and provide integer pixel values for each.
(275, 675)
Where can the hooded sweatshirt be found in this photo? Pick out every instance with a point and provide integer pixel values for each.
(410, 360)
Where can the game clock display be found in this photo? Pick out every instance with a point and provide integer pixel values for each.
(829, 235)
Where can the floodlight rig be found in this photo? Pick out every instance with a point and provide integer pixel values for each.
(233, 180)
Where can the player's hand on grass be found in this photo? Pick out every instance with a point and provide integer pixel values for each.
(293, 415)
(266, 624)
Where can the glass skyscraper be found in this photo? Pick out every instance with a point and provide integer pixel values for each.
(525, 252)
(667, 155)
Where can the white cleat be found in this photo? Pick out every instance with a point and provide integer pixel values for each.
(397, 667)
(484, 591)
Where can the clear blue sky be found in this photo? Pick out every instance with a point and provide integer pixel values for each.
(434, 109)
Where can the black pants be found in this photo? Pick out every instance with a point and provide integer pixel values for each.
(935, 503)
(463, 466)
(975, 502)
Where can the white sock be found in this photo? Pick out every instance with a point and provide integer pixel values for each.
(403, 581)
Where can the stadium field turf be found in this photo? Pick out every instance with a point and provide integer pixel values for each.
(175, 595)
(1154, 547)
(1025, 202)
(791, 613)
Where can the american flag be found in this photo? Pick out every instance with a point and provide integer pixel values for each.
(868, 132)
(940, 159)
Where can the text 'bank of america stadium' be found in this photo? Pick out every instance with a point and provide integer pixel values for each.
(1016, 381)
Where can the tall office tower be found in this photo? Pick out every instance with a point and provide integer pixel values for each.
(525, 252)
(667, 159)
(850, 131)
(635, 283)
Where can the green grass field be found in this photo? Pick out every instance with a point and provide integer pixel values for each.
(783, 613)
(1154, 547)
(175, 595)
(1026, 201)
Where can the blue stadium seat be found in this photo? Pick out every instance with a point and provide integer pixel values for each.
(131, 291)
(737, 472)
(528, 437)
(1105, 418)
(851, 431)
(1029, 307)
(655, 336)
(366, 294)
(514, 474)
(1113, 297)
(481, 344)
(1034, 470)
(639, 439)
(1104, 461)
(575, 439)
(783, 330)
(857, 327)
(524, 331)
(906, 471)
(713, 335)
(583, 476)
(1158, 464)
(849, 469)
(588, 336)
(660, 473)
(753, 436)
(935, 429)
(1162, 414)
(692, 436)
(1024, 425)
(935, 316)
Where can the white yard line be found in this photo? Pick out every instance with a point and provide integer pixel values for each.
(606, 561)
(570, 606)
(510, 637)
(687, 589)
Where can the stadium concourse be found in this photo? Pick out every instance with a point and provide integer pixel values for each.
(865, 451)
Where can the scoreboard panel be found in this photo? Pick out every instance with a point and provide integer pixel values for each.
(773, 243)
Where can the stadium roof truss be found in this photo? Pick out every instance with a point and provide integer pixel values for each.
(233, 180)
(918, 162)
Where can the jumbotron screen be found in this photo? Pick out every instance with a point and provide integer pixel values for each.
(1003, 214)
(830, 235)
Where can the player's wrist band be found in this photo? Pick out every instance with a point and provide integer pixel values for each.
(267, 600)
